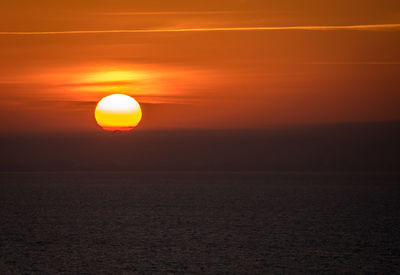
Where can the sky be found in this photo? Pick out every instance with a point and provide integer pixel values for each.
(199, 64)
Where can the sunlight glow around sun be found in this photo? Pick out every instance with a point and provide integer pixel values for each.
(118, 112)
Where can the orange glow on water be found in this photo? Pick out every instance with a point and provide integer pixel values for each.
(118, 112)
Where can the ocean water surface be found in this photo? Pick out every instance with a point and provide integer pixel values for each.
(199, 222)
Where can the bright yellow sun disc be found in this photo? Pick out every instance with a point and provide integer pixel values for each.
(118, 112)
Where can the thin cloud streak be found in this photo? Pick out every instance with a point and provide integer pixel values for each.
(352, 63)
(176, 12)
(378, 27)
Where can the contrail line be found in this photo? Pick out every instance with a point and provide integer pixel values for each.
(379, 27)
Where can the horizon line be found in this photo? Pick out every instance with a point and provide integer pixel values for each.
(370, 27)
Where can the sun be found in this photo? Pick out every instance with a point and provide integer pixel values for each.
(118, 112)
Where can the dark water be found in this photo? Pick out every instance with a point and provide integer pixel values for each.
(105, 223)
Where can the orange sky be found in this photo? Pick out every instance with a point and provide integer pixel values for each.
(301, 72)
